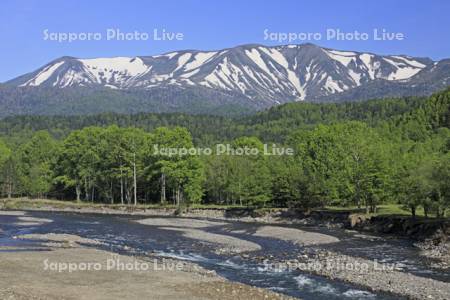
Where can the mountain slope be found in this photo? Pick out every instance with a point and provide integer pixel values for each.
(271, 125)
(253, 76)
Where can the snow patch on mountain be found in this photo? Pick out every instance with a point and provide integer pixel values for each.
(107, 67)
(71, 78)
(356, 77)
(255, 56)
(405, 68)
(370, 67)
(332, 86)
(255, 72)
(292, 77)
(199, 60)
(411, 62)
(341, 56)
(182, 60)
(43, 75)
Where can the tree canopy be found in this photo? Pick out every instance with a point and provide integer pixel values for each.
(351, 154)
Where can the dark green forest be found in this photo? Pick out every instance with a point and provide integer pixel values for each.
(351, 154)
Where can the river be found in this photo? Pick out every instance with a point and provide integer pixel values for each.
(122, 234)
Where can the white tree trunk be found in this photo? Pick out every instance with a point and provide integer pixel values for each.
(135, 178)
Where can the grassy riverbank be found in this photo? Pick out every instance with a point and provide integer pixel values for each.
(26, 203)
(382, 210)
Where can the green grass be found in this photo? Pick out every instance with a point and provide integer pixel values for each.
(396, 209)
(19, 203)
(215, 206)
(382, 210)
(23, 203)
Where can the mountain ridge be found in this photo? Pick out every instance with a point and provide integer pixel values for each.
(251, 75)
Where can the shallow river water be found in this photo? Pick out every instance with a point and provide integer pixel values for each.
(121, 234)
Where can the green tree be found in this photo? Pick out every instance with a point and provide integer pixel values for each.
(440, 177)
(182, 174)
(36, 160)
(5, 155)
(249, 173)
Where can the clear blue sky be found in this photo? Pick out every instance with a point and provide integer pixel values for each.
(212, 25)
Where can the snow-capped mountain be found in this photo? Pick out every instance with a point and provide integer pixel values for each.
(229, 81)
(266, 75)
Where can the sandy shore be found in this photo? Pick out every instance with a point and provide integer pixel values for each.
(42, 275)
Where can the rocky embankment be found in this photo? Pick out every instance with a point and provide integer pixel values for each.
(419, 229)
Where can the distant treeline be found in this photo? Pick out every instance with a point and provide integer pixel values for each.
(363, 154)
(270, 125)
